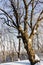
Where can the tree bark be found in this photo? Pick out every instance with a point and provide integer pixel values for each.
(30, 51)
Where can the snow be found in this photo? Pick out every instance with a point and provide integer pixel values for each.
(35, 31)
(18, 59)
(36, 57)
(23, 62)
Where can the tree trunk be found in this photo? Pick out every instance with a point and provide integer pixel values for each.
(30, 51)
(28, 46)
(32, 63)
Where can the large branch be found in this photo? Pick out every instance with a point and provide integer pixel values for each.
(31, 18)
(15, 11)
(18, 28)
(36, 24)
(29, 3)
(25, 2)
(9, 17)
(26, 16)
(35, 4)
(32, 12)
(41, 2)
(2, 18)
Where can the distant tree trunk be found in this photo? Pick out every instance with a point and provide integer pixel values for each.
(3, 57)
(19, 40)
(19, 48)
(18, 31)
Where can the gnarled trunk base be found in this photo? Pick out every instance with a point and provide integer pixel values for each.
(30, 52)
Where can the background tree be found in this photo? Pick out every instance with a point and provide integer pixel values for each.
(26, 23)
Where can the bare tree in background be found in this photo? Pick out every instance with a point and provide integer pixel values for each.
(26, 18)
(18, 31)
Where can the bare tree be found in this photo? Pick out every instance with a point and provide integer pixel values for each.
(27, 20)
(18, 6)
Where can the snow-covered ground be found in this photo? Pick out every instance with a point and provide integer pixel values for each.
(23, 62)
